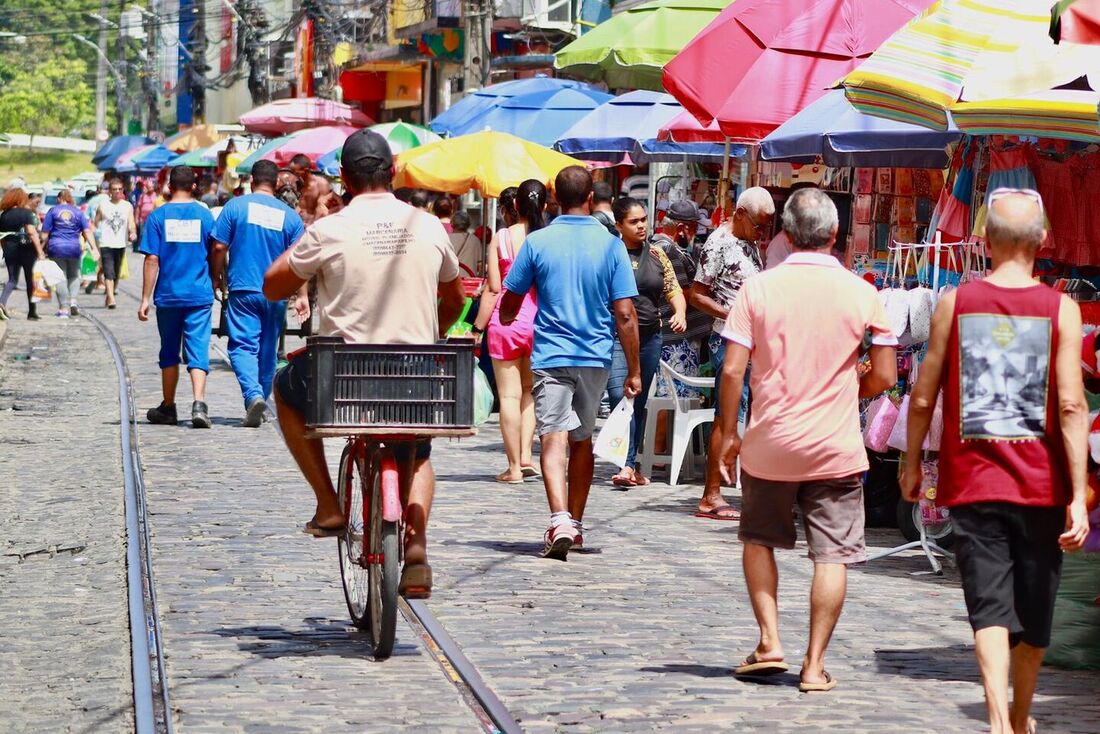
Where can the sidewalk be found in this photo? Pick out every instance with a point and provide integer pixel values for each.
(637, 633)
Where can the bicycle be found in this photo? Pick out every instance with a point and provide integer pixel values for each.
(377, 398)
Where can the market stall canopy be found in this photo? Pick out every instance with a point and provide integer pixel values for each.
(106, 157)
(487, 161)
(993, 57)
(760, 62)
(686, 128)
(400, 136)
(194, 159)
(312, 143)
(245, 166)
(629, 50)
(193, 138)
(840, 135)
(146, 159)
(627, 125)
(288, 115)
(1076, 21)
(541, 117)
(460, 118)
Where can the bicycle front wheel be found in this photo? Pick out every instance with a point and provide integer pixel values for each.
(383, 559)
(353, 571)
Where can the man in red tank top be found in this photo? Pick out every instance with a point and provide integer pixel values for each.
(1007, 353)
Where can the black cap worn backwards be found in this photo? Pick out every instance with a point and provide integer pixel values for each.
(365, 150)
(683, 210)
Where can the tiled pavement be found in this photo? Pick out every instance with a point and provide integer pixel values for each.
(635, 634)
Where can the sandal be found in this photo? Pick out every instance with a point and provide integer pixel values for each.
(416, 581)
(530, 471)
(753, 668)
(503, 478)
(828, 685)
(317, 531)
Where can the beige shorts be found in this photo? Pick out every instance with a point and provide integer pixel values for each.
(832, 514)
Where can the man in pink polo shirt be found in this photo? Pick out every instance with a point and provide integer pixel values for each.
(803, 323)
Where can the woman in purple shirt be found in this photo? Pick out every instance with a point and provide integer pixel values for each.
(63, 229)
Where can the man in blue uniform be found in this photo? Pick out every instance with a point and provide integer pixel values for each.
(176, 245)
(255, 230)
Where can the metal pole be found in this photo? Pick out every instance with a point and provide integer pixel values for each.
(122, 82)
(101, 79)
(724, 183)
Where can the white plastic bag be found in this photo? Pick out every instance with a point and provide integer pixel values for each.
(614, 439)
(51, 272)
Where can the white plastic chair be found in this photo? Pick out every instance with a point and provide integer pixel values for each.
(686, 417)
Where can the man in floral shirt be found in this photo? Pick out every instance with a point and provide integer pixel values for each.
(730, 255)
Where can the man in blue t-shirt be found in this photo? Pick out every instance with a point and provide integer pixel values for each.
(255, 230)
(176, 245)
(585, 286)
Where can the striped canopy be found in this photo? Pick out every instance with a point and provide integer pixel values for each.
(991, 63)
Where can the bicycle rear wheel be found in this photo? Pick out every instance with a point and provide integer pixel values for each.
(353, 574)
(383, 559)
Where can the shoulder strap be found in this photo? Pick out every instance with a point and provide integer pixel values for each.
(504, 244)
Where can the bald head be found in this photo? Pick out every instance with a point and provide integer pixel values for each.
(1015, 220)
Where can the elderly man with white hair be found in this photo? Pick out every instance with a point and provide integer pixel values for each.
(730, 256)
(803, 325)
(1006, 352)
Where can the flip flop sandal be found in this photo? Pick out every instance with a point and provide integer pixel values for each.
(712, 514)
(317, 531)
(622, 481)
(501, 478)
(416, 581)
(640, 481)
(530, 472)
(752, 668)
(828, 685)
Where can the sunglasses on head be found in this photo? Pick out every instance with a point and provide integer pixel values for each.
(1005, 192)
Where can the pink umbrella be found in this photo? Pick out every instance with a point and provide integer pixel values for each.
(287, 115)
(684, 128)
(313, 143)
(762, 61)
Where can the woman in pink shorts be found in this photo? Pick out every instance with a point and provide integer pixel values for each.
(510, 346)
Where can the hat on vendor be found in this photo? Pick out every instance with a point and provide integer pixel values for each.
(684, 210)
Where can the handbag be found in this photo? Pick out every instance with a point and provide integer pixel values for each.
(895, 300)
(881, 417)
(921, 303)
(899, 434)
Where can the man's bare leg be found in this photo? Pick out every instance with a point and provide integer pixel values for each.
(991, 645)
(762, 580)
(169, 379)
(826, 601)
(553, 460)
(582, 464)
(712, 489)
(418, 506)
(309, 453)
(198, 384)
(1026, 661)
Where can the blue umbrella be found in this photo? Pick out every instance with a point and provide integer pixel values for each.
(540, 117)
(457, 118)
(832, 129)
(106, 156)
(628, 125)
(149, 161)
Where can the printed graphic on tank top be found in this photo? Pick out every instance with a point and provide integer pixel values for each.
(1005, 370)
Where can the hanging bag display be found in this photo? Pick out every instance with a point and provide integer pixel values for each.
(881, 417)
(921, 302)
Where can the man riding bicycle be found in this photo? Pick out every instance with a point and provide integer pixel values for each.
(385, 274)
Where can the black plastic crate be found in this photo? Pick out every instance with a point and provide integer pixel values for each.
(390, 385)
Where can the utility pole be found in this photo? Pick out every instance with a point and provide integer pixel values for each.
(149, 77)
(198, 64)
(477, 20)
(120, 64)
(101, 80)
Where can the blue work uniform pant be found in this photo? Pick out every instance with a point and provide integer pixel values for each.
(254, 324)
(649, 354)
(185, 328)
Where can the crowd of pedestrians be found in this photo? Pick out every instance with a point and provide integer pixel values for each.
(582, 301)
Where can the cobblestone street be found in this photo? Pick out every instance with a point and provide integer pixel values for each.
(639, 632)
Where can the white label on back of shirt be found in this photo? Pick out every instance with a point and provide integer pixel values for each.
(182, 230)
(267, 217)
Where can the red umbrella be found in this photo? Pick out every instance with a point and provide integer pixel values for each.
(1077, 22)
(287, 115)
(685, 128)
(760, 62)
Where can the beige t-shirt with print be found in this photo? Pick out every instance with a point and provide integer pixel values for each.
(378, 264)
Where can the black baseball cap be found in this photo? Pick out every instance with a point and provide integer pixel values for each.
(365, 150)
(683, 210)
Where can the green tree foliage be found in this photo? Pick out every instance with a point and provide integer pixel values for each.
(51, 98)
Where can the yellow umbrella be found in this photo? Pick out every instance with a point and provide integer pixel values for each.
(193, 138)
(487, 161)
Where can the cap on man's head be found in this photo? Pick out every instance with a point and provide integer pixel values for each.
(365, 150)
(684, 210)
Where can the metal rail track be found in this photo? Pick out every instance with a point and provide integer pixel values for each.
(152, 709)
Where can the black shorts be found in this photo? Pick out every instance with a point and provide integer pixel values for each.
(111, 259)
(292, 384)
(1010, 562)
